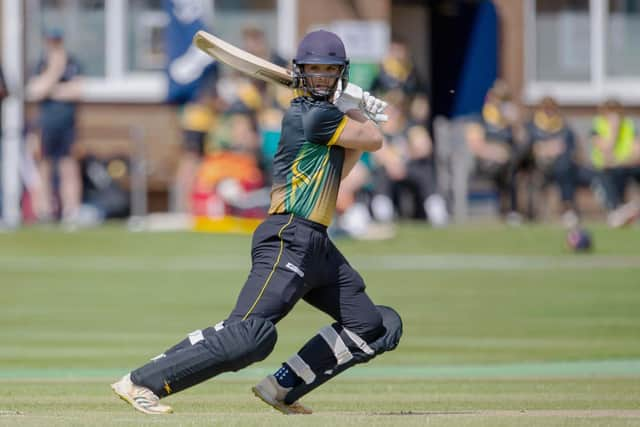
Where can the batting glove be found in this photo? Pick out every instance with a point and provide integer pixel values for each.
(350, 98)
(373, 108)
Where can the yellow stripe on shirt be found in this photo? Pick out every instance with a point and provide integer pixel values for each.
(338, 131)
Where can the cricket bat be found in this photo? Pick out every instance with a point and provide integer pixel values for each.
(242, 60)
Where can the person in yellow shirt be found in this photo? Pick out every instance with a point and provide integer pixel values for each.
(198, 119)
(615, 151)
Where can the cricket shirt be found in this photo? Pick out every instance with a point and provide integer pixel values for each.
(307, 166)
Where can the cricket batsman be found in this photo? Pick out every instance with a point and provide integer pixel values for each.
(323, 136)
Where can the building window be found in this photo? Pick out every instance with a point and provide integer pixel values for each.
(623, 38)
(121, 43)
(562, 40)
(582, 51)
(146, 24)
(232, 16)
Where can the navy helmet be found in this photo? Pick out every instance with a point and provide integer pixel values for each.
(321, 47)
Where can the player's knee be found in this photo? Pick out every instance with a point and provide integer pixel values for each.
(370, 327)
(245, 342)
(239, 343)
(392, 330)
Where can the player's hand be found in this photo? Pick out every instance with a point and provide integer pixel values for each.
(373, 108)
(351, 98)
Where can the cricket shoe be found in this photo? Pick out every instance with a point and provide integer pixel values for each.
(270, 392)
(141, 398)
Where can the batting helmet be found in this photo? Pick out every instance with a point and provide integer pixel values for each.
(321, 47)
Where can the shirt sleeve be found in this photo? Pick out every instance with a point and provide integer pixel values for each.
(323, 125)
(40, 66)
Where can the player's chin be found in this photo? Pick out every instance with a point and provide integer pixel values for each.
(322, 90)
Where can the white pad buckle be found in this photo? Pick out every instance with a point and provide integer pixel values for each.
(301, 368)
(336, 344)
(196, 336)
(362, 344)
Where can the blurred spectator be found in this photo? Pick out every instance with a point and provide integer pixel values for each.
(419, 109)
(397, 70)
(229, 181)
(406, 161)
(255, 41)
(353, 216)
(56, 86)
(198, 120)
(491, 140)
(615, 154)
(553, 147)
(269, 127)
(3, 94)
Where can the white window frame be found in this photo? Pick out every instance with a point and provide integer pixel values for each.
(593, 91)
(119, 84)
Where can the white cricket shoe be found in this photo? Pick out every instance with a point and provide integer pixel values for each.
(272, 393)
(141, 398)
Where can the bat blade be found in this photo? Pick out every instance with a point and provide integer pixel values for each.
(242, 60)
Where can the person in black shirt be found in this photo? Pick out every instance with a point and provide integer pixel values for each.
(551, 143)
(3, 94)
(491, 141)
(56, 86)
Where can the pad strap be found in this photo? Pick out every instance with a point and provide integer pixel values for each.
(336, 344)
(358, 342)
(301, 369)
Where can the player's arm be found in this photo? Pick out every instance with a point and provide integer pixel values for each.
(351, 158)
(361, 136)
(71, 89)
(48, 75)
(67, 91)
(329, 126)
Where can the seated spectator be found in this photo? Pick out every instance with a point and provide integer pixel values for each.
(198, 119)
(352, 206)
(491, 141)
(552, 145)
(270, 124)
(397, 70)
(229, 181)
(615, 154)
(406, 162)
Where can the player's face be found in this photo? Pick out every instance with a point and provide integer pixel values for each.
(322, 77)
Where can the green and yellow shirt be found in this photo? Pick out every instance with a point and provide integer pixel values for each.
(307, 165)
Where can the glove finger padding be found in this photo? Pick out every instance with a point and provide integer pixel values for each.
(374, 107)
(380, 118)
(369, 101)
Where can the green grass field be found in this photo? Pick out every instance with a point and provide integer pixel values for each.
(502, 327)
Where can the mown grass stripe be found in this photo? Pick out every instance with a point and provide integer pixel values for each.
(370, 263)
(568, 369)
